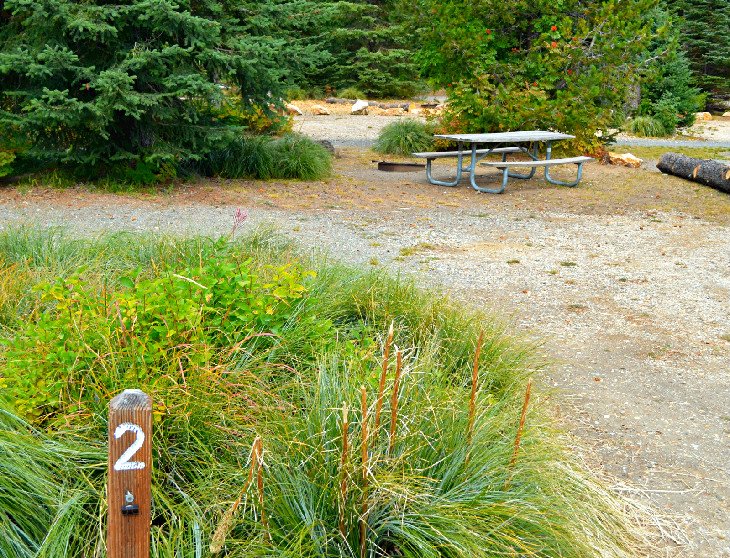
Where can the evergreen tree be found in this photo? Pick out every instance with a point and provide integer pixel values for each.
(339, 44)
(134, 84)
(668, 91)
(706, 39)
(372, 52)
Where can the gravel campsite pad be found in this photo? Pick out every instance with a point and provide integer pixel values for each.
(624, 281)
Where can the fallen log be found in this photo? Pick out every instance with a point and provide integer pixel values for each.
(705, 171)
(338, 101)
(404, 106)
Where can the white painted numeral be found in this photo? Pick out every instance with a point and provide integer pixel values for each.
(124, 463)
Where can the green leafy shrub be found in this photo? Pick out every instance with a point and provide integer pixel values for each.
(666, 112)
(255, 119)
(524, 65)
(315, 92)
(85, 340)
(351, 93)
(647, 126)
(404, 137)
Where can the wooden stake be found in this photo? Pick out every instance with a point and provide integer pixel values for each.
(383, 374)
(130, 473)
(394, 400)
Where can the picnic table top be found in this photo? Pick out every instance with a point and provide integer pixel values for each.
(502, 137)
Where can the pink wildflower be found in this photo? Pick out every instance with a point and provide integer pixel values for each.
(238, 218)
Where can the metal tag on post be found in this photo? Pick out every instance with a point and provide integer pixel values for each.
(130, 475)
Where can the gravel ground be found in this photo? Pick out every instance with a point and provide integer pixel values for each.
(361, 131)
(643, 142)
(631, 306)
(343, 130)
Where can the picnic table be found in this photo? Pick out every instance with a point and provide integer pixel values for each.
(502, 143)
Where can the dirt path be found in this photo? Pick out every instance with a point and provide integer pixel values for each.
(626, 280)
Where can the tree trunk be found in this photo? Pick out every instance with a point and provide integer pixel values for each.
(705, 171)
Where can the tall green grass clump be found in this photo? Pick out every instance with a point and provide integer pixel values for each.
(299, 157)
(243, 157)
(647, 126)
(352, 93)
(404, 137)
(295, 93)
(302, 408)
(289, 157)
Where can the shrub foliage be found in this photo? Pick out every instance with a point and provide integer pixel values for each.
(667, 86)
(85, 340)
(525, 65)
(342, 43)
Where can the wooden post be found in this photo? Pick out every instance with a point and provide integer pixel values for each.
(130, 471)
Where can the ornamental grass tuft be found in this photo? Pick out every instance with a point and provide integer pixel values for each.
(291, 156)
(647, 126)
(404, 137)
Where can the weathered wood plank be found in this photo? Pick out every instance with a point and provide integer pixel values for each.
(507, 137)
(130, 472)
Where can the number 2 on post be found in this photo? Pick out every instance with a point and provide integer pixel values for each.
(124, 463)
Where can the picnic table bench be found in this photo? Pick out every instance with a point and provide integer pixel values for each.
(547, 163)
(503, 143)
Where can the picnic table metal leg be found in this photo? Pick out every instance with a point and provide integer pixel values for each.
(472, 174)
(459, 170)
(432, 180)
(484, 190)
(533, 156)
(557, 182)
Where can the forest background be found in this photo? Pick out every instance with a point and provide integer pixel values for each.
(151, 91)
